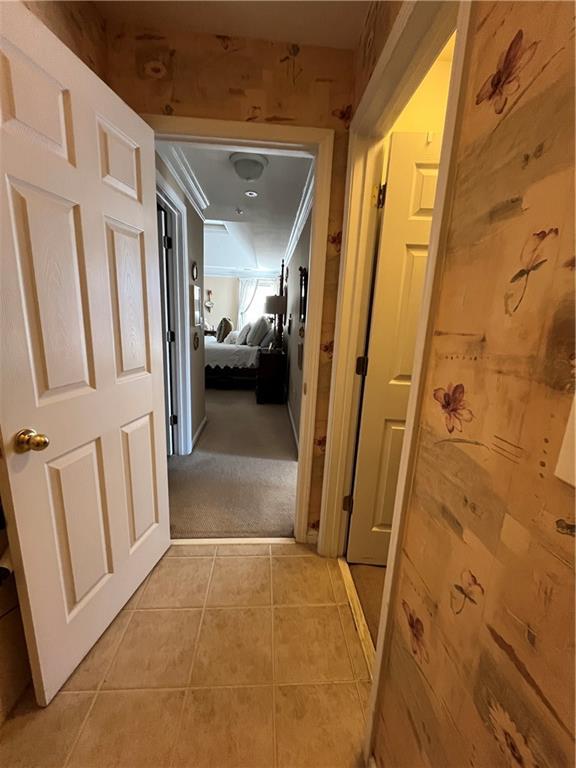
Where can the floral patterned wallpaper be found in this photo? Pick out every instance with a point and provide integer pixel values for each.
(80, 26)
(164, 71)
(379, 21)
(481, 665)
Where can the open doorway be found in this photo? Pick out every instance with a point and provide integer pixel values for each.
(238, 306)
(410, 159)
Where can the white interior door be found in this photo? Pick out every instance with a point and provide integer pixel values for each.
(402, 254)
(81, 347)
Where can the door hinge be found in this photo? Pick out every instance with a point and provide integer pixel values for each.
(348, 503)
(167, 242)
(173, 420)
(170, 336)
(381, 196)
(362, 365)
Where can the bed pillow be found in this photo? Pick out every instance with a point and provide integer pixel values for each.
(257, 332)
(268, 339)
(232, 337)
(224, 328)
(243, 335)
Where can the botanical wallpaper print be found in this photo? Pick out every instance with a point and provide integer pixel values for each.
(379, 21)
(79, 26)
(416, 631)
(454, 406)
(467, 590)
(231, 78)
(481, 659)
(506, 81)
(532, 258)
(291, 61)
(511, 742)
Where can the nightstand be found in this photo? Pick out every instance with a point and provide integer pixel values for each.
(271, 380)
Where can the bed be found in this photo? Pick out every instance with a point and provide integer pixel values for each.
(230, 365)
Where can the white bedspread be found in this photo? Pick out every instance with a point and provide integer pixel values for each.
(232, 355)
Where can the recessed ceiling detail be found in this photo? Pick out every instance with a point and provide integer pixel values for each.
(254, 233)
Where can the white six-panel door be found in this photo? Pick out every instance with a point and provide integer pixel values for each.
(402, 254)
(81, 347)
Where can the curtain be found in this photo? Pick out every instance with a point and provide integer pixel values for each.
(246, 293)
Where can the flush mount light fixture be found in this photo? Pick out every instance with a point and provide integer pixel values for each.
(247, 166)
(251, 193)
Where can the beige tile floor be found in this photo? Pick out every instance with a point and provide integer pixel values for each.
(235, 656)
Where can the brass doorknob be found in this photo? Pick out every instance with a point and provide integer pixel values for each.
(30, 440)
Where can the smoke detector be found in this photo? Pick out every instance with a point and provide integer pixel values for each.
(248, 167)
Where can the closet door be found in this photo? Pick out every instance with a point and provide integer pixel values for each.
(402, 254)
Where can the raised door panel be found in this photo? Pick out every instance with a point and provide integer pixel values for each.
(423, 190)
(34, 103)
(48, 242)
(409, 298)
(139, 473)
(119, 160)
(387, 474)
(81, 521)
(128, 289)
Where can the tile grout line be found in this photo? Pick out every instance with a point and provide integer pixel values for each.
(354, 676)
(101, 683)
(192, 663)
(219, 686)
(233, 606)
(274, 739)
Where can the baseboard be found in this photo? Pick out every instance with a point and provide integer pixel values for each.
(199, 431)
(292, 424)
(358, 614)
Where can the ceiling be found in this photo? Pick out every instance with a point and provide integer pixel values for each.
(307, 22)
(251, 242)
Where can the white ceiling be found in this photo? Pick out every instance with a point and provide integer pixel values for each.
(307, 22)
(256, 240)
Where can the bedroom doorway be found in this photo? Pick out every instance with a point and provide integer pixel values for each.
(250, 239)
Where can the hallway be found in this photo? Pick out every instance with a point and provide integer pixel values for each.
(240, 480)
(227, 656)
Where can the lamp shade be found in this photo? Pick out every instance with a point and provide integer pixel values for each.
(275, 305)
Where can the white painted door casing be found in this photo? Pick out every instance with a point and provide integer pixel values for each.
(402, 253)
(81, 347)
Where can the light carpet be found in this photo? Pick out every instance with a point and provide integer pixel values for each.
(240, 479)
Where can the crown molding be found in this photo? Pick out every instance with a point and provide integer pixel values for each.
(304, 208)
(246, 274)
(187, 180)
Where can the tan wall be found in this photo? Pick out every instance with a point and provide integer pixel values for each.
(481, 664)
(225, 298)
(426, 110)
(164, 71)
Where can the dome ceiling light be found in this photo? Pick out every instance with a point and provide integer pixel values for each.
(248, 167)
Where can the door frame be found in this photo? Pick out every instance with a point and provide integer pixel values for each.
(181, 298)
(418, 35)
(305, 142)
